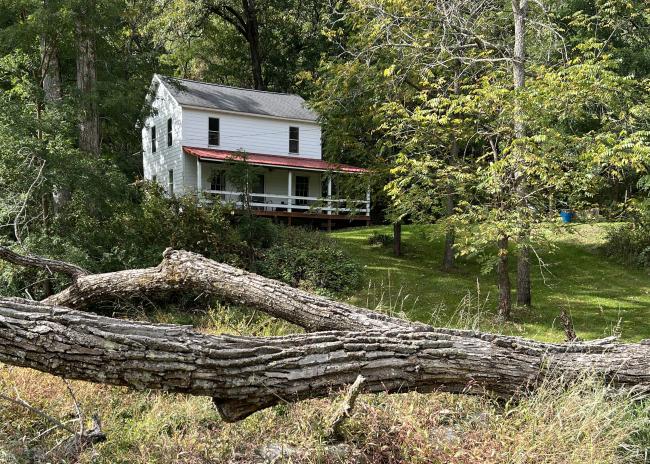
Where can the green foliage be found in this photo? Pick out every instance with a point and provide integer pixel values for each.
(310, 260)
(377, 238)
(629, 242)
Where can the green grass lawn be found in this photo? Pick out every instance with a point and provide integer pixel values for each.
(598, 293)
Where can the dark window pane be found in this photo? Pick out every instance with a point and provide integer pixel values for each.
(213, 131)
(302, 189)
(218, 181)
(153, 139)
(258, 187)
(293, 139)
(169, 132)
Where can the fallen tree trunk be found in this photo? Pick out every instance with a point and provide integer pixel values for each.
(246, 374)
(185, 271)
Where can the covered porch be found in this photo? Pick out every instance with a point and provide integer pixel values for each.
(291, 189)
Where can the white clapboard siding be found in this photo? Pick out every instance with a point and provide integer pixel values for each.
(250, 133)
(253, 134)
(166, 158)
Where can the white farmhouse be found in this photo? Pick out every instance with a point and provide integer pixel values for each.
(197, 127)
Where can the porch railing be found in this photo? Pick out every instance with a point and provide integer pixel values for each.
(290, 203)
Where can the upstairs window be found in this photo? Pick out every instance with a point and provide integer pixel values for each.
(213, 131)
(293, 139)
(169, 132)
(154, 144)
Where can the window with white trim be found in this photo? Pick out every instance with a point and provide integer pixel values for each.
(154, 143)
(218, 180)
(213, 131)
(294, 139)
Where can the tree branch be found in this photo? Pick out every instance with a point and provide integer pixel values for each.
(51, 265)
(185, 271)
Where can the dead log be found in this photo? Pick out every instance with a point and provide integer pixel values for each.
(247, 374)
(184, 271)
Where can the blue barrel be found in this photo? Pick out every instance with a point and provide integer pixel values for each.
(566, 215)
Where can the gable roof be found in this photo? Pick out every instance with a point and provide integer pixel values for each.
(221, 97)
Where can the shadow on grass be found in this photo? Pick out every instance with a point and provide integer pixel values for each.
(602, 296)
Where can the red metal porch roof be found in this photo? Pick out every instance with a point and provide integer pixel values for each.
(272, 160)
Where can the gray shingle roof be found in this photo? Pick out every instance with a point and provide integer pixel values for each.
(221, 97)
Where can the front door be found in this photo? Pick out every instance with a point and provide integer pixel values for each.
(258, 187)
(302, 189)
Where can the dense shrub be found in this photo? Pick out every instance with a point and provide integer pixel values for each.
(309, 259)
(134, 228)
(377, 238)
(629, 243)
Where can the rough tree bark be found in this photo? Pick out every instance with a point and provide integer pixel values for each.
(247, 374)
(50, 66)
(185, 271)
(89, 137)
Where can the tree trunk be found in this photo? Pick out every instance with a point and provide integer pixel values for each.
(520, 10)
(247, 374)
(50, 67)
(190, 272)
(253, 39)
(89, 137)
(448, 258)
(397, 238)
(524, 297)
(503, 279)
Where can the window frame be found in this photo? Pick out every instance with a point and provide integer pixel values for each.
(170, 182)
(219, 174)
(170, 128)
(214, 133)
(294, 139)
(301, 202)
(154, 141)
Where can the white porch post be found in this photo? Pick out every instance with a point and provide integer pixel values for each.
(329, 194)
(289, 191)
(368, 201)
(199, 177)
